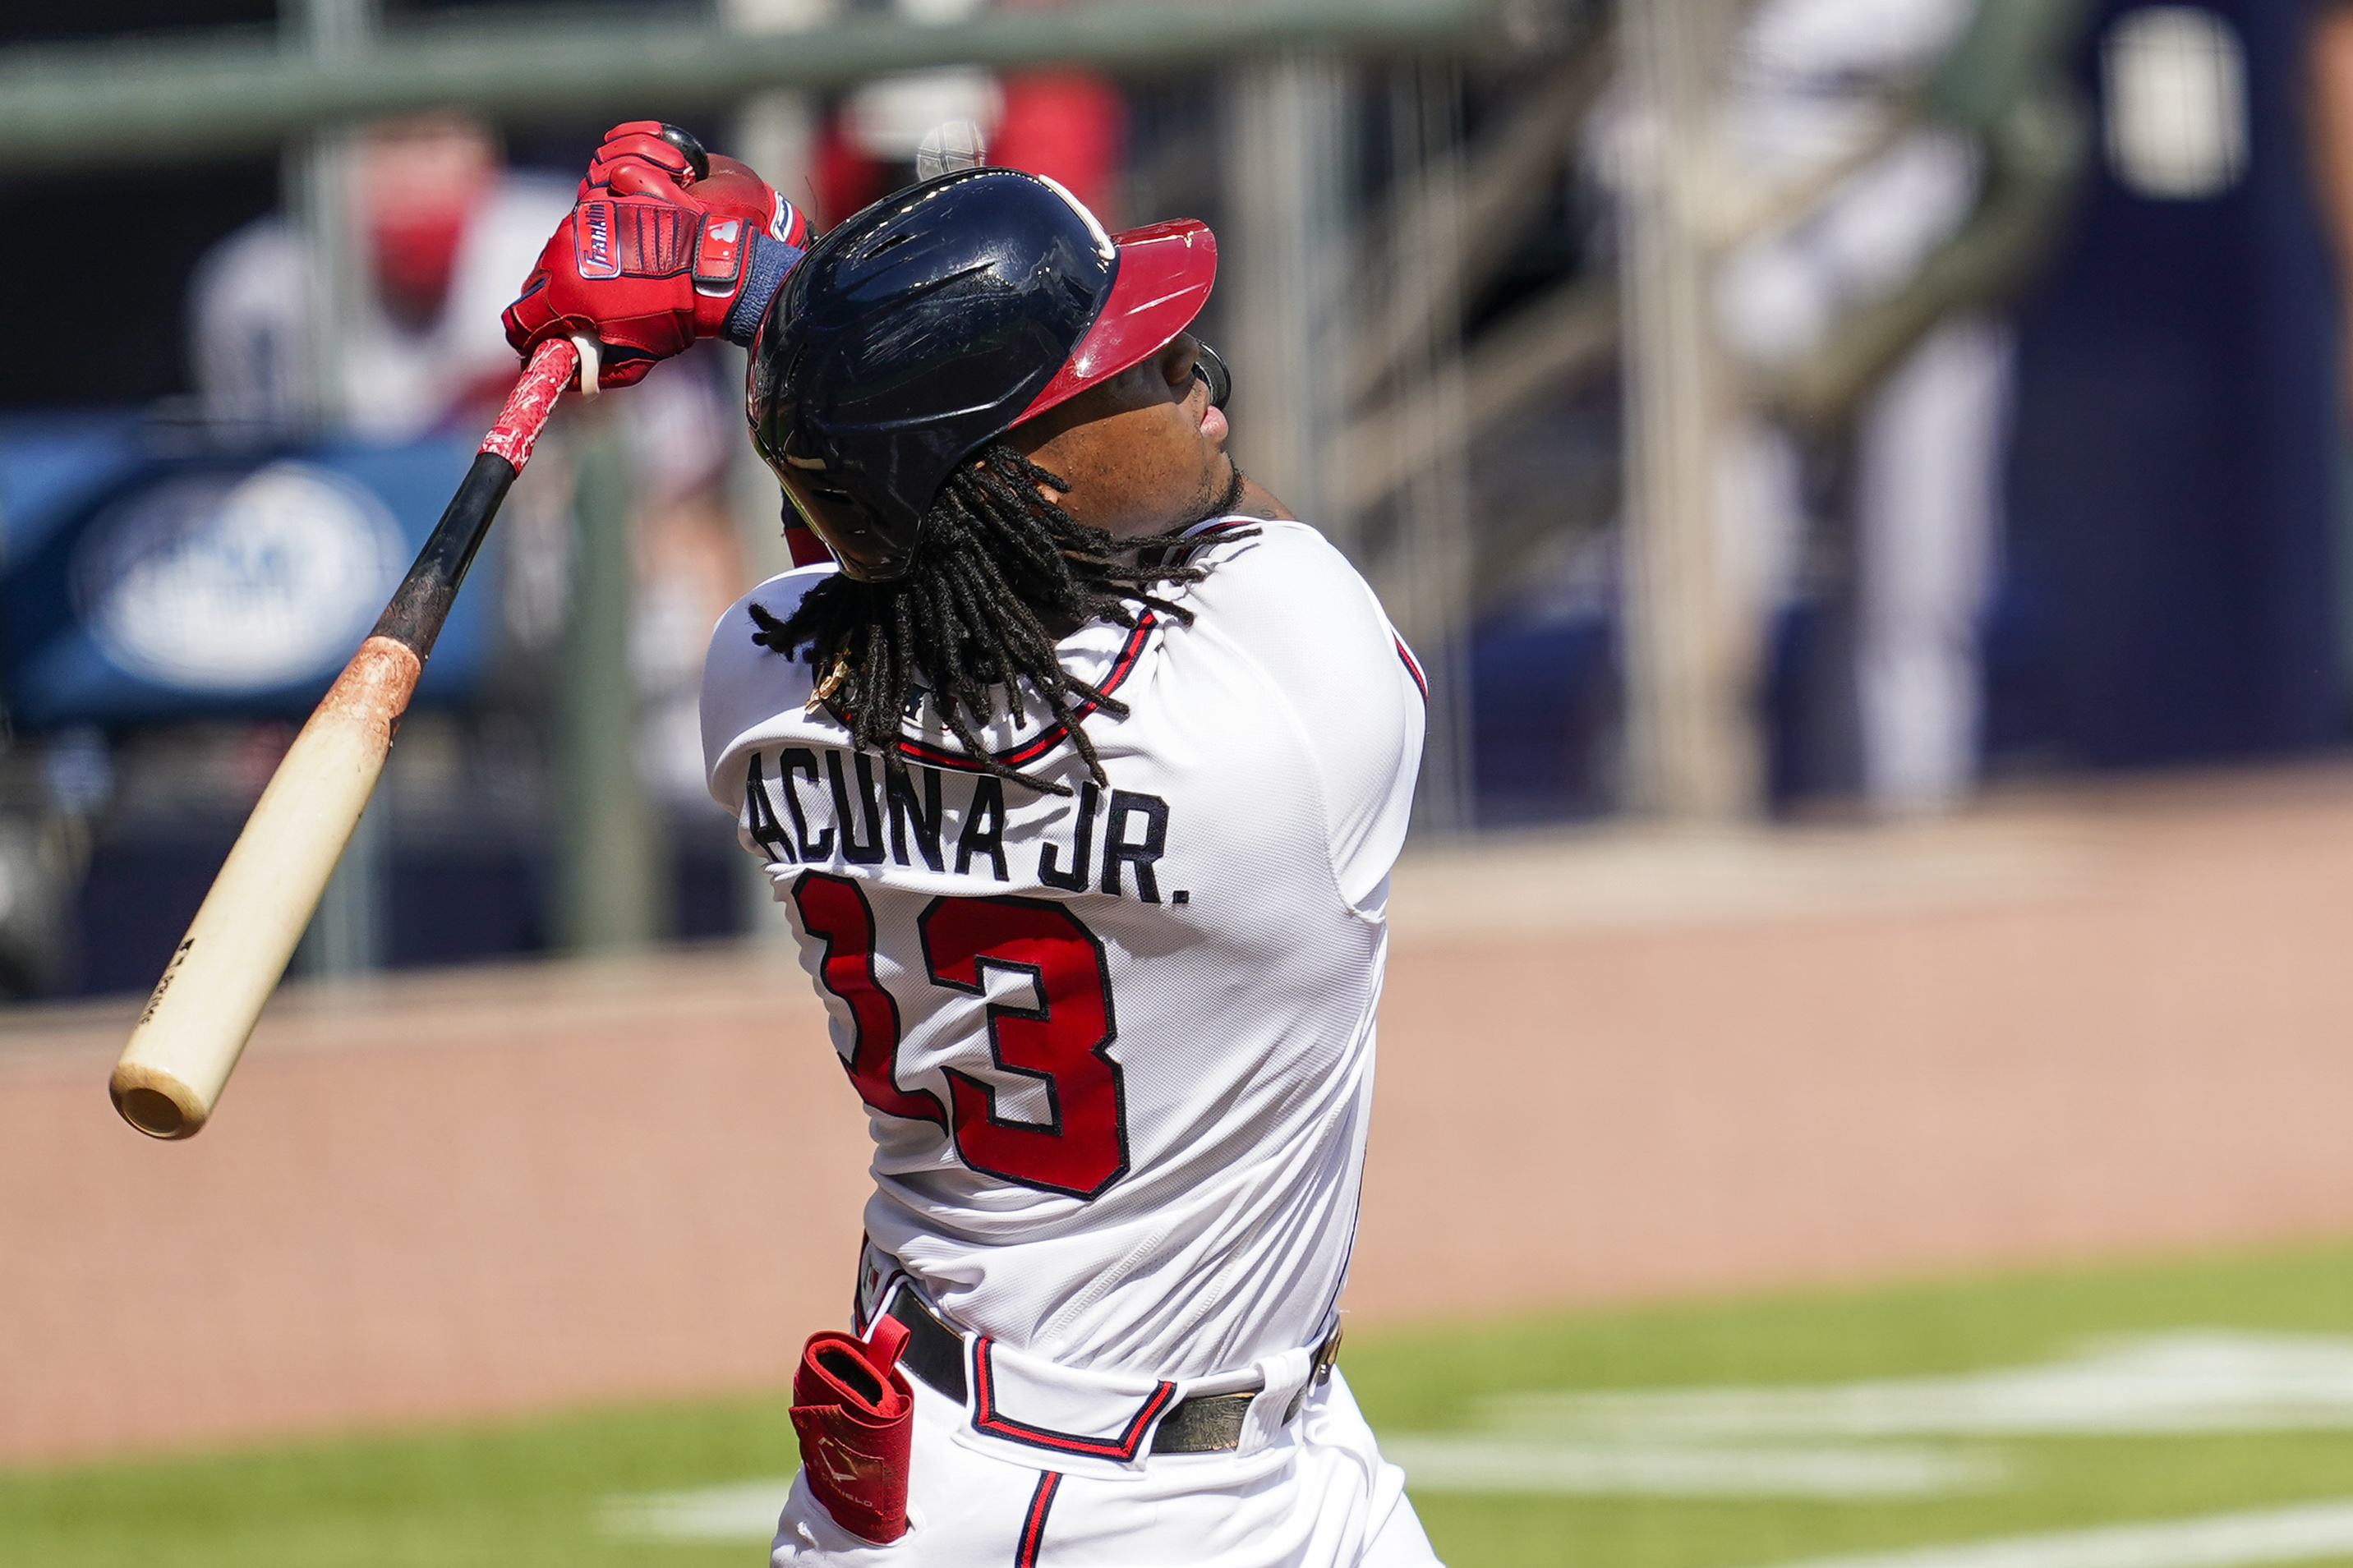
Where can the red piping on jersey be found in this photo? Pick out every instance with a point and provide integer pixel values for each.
(984, 1418)
(1210, 535)
(1033, 1528)
(1410, 667)
(1046, 740)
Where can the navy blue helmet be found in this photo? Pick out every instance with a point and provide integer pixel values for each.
(934, 320)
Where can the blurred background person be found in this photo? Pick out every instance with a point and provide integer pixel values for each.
(1887, 517)
(1912, 496)
(1068, 125)
(446, 230)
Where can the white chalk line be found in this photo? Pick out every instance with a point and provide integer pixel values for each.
(2298, 1535)
(740, 1511)
(2182, 1382)
(1503, 1464)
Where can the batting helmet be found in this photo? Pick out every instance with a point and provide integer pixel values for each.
(935, 320)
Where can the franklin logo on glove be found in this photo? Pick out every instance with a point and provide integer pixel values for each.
(596, 241)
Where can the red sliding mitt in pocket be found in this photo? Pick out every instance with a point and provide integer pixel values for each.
(854, 1412)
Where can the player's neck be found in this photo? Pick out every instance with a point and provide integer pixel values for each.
(1256, 501)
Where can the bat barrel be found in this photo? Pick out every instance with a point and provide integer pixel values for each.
(194, 1025)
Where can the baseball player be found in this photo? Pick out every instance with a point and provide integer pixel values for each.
(1081, 766)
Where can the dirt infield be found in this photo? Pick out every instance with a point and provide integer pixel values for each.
(2114, 1021)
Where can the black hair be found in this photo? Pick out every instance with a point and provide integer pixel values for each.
(997, 569)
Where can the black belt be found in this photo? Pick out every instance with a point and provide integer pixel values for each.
(1205, 1424)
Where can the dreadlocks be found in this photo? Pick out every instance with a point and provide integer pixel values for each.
(997, 569)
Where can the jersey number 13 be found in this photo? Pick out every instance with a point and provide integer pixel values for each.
(1082, 1148)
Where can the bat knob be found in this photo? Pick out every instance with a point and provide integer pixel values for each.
(686, 142)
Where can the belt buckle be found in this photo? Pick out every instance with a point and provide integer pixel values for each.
(1319, 1373)
(1326, 1354)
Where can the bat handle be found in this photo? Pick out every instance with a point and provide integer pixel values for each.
(204, 1008)
(414, 617)
(533, 398)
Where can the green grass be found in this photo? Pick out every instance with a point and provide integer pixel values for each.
(1427, 1381)
(522, 1494)
(517, 1495)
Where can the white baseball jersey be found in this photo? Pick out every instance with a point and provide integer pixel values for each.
(1117, 1044)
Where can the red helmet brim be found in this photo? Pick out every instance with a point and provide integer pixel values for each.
(1165, 271)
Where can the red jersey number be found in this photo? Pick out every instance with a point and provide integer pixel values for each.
(834, 910)
(1082, 1148)
(1063, 1042)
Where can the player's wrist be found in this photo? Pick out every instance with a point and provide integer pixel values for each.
(765, 264)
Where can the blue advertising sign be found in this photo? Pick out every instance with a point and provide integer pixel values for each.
(138, 587)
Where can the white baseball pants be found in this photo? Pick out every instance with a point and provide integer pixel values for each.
(1320, 1495)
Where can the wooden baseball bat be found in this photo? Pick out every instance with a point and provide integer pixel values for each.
(197, 1021)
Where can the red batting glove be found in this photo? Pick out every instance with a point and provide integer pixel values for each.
(854, 1413)
(665, 245)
